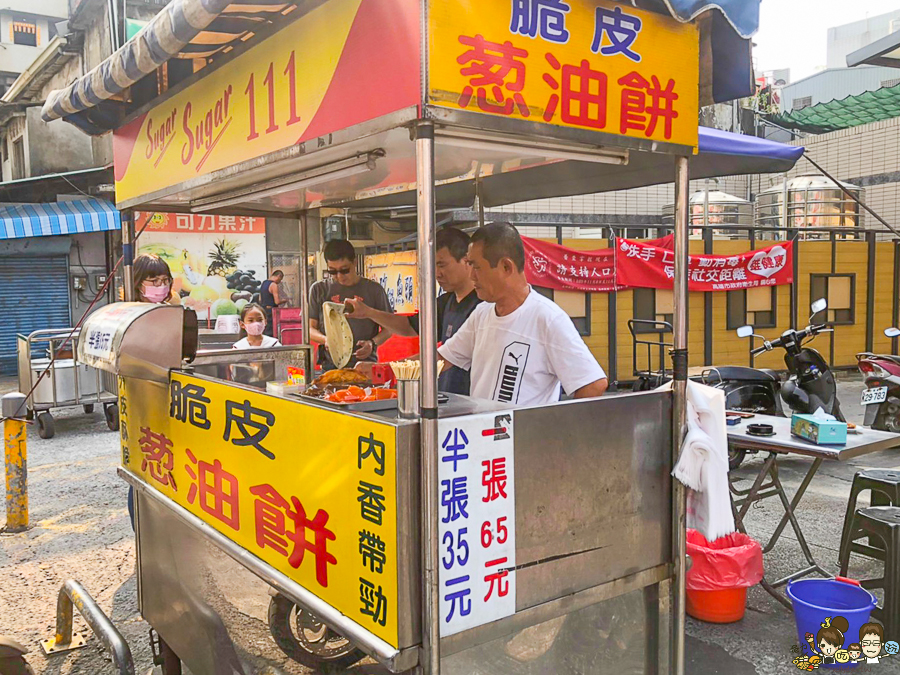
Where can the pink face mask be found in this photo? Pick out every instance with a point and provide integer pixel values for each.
(155, 293)
(255, 328)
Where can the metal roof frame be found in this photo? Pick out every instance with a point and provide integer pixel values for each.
(883, 52)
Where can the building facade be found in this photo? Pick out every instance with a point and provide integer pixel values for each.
(26, 28)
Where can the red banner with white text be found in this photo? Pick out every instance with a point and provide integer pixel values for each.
(645, 265)
(566, 269)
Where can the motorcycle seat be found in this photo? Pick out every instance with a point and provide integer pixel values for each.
(742, 373)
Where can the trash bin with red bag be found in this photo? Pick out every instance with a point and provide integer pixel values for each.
(721, 572)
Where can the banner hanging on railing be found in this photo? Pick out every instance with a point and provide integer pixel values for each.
(645, 265)
(566, 269)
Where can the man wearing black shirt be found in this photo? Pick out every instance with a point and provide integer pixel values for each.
(453, 307)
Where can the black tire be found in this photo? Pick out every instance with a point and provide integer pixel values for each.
(888, 418)
(735, 457)
(111, 412)
(88, 408)
(46, 425)
(15, 666)
(306, 640)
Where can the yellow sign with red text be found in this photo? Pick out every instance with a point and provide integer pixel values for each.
(310, 491)
(591, 64)
(396, 272)
(343, 63)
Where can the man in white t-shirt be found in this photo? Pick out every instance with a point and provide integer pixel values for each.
(520, 347)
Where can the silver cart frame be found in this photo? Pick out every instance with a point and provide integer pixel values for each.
(104, 393)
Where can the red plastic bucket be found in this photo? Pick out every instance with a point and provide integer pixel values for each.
(725, 606)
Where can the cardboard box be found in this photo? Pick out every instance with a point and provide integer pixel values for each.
(817, 431)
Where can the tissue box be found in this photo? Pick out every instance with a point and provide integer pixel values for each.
(819, 431)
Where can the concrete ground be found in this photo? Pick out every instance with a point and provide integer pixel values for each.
(80, 530)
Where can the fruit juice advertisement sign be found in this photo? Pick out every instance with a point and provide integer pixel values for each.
(218, 263)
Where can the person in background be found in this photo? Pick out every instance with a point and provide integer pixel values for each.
(453, 307)
(153, 280)
(152, 283)
(345, 283)
(519, 347)
(253, 322)
(270, 297)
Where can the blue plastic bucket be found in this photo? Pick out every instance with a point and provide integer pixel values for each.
(817, 599)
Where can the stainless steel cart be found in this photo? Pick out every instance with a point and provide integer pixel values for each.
(67, 382)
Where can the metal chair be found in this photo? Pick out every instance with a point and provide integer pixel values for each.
(881, 523)
(884, 485)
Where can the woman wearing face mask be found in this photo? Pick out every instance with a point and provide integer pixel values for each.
(152, 283)
(153, 280)
(253, 323)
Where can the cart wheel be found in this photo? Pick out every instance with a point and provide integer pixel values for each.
(735, 457)
(46, 426)
(15, 666)
(307, 640)
(88, 408)
(112, 416)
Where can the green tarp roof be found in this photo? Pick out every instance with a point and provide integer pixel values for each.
(872, 106)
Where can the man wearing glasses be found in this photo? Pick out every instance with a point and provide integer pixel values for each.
(344, 283)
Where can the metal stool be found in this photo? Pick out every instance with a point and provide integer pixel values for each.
(883, 524)
(885, 487)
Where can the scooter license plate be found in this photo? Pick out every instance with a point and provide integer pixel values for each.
(876, 395)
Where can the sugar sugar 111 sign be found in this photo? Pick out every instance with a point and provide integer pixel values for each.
(341, 63)
(477, 570)
(596, 65)
(322, 509)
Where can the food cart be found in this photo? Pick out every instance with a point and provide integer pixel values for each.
(479, 535)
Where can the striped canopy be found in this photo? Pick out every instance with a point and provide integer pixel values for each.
(185, 29)
(18, 221)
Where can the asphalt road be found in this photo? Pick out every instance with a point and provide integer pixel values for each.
(81, 530)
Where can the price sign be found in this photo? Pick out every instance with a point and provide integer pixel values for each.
(477, 566)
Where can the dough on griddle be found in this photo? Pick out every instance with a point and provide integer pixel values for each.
(338, 335)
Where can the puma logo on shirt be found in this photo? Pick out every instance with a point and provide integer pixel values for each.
(512, 369)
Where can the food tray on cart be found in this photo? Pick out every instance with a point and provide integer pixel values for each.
(362, 406)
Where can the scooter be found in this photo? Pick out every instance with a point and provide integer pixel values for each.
(811, 384)
(881, 397)
(750, 390)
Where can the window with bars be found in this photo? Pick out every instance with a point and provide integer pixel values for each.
(839, 290)
(800, 103)
(24, 32)
(887, 84)
(574, 303)
(752, 307)
(652, 304)
(18, 158)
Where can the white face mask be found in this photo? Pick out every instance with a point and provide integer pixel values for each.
(255, 328)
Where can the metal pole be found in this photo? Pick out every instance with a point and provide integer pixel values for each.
(431, 646)
(14, 437)
(72, 596)
(679, 409)
(128, 255)
(304, 291)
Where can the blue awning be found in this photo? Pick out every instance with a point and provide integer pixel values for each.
(726, 143)
(743, 15)
(18, 221)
